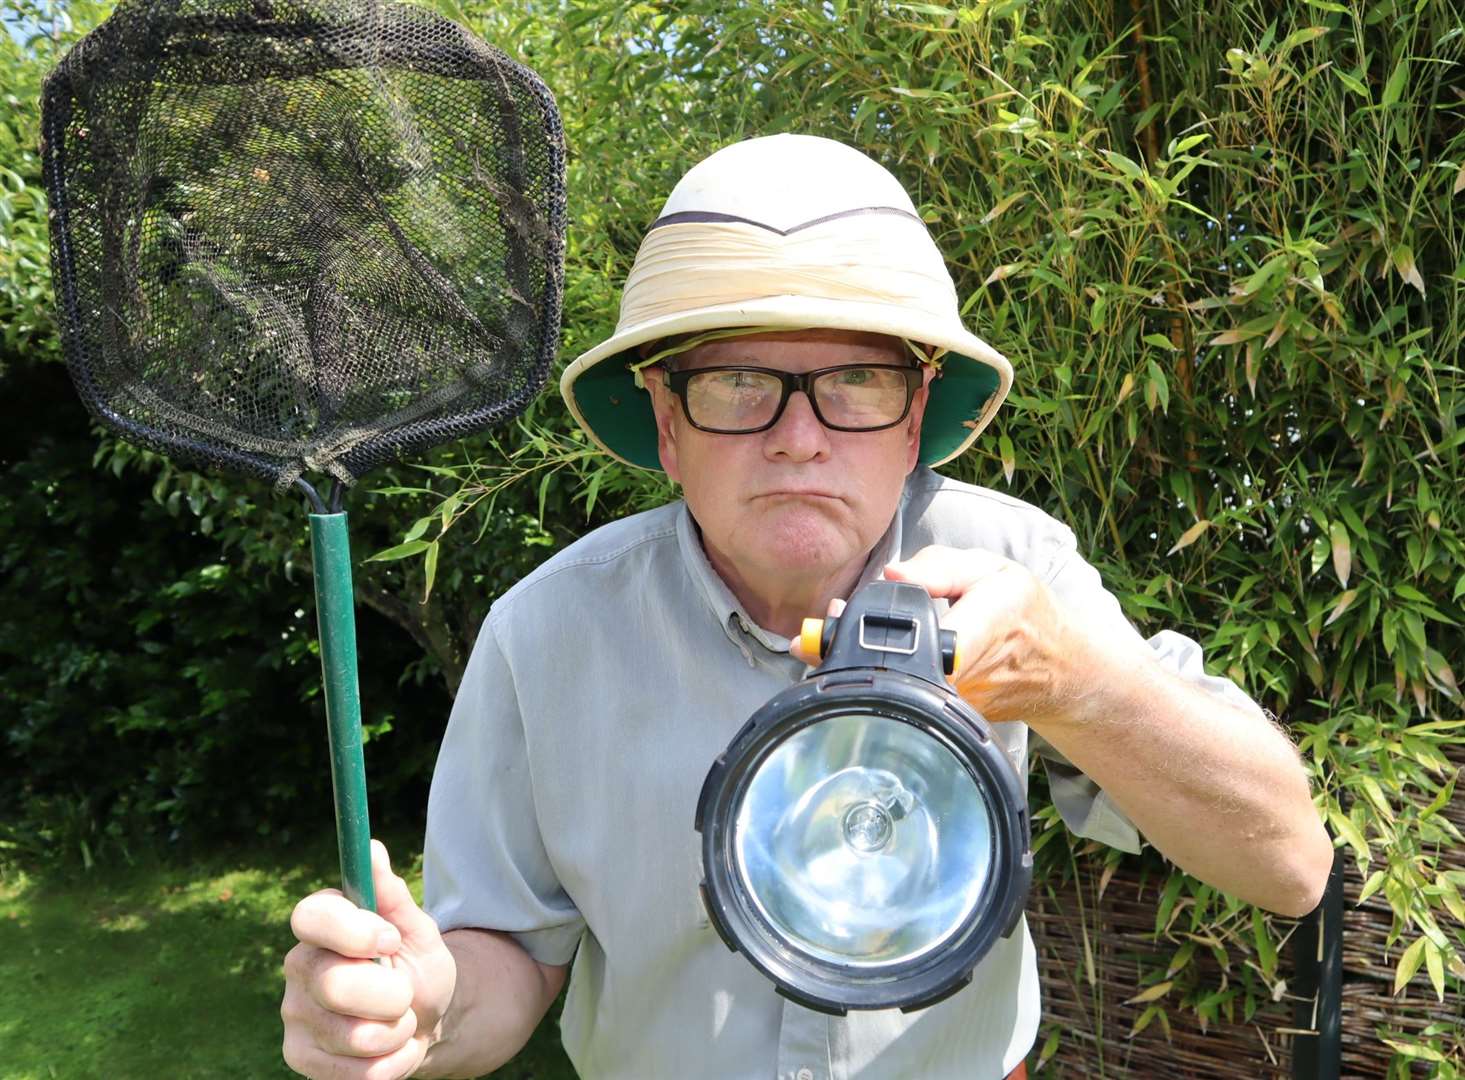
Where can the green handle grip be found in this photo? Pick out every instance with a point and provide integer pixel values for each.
(336, 615)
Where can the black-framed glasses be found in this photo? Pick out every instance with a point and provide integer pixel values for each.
(739, 400)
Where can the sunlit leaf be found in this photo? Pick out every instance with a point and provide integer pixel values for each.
(429, 570)
(1434, 962)
(1301, 37)
(1127, 166)
(1159, 990)
(1001, 207)
(1403, 257)
(1341, 606)
(1190, 536)
(1342, 550)
(1409, 964)
(1003, 271)
(401, 551)
(1345, 828)
(1371, 886)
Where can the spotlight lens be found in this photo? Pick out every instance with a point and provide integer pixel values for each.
(863, 840)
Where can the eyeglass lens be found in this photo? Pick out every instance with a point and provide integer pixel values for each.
(745, 399)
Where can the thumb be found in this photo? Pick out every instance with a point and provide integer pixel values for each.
(394, 903)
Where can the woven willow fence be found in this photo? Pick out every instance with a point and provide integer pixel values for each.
(1097, 943)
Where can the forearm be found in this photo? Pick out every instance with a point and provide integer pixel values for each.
(500, 996)
(1213, 785)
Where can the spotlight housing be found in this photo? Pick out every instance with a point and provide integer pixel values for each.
(864, 837)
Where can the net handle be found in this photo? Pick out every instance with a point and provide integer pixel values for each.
(330, 550)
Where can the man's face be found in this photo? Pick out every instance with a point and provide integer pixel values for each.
(797, 498)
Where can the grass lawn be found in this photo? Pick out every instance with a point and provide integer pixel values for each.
(169, 970)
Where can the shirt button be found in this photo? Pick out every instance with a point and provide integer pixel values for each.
(804, 1074)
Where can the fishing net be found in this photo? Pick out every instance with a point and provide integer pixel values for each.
(301, 236)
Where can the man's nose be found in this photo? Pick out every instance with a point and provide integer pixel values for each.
(798, 435)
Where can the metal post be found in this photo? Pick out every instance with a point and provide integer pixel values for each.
(336, 616)
(1317, 952)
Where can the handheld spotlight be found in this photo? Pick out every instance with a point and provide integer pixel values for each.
(864, 836)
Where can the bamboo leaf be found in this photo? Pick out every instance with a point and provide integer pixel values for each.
(1181, 146)
(1441, 798)
(1161, 387)
(1371, 886)
(1001, 207)
(1127, 166)
(1301, 37)
(1375, 795)
(917, 92)
(1050, 1047)
(1009, 457)
(1190, 535)
(1145, 1017)
(1159, 990)
(1342, 551)
(1397, 81)
(1344, 827)
(401, 551)
(1181, 958)
(1266, 951)
(429, 570)
(449, 508)
(1003, 271)
(1450, 897)
(1403, 256)
(1434, 963)
(1353, 84)
(1341, 606)
(1414, 1050)
(1409, 963)
(1320, 548)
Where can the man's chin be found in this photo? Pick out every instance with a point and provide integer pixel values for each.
(806, 544)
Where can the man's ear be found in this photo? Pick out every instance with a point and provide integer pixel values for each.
(665, 405)
(917, 417)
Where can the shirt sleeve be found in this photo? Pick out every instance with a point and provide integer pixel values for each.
(484, 860)
(1086, 809)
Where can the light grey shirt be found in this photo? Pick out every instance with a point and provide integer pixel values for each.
(599, 691)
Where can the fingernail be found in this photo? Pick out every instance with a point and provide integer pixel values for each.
(388, 940)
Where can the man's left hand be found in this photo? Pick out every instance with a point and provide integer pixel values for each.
(1019, 653)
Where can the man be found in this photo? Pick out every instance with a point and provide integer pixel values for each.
(797, 337)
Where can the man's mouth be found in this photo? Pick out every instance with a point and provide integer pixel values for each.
(797, 493)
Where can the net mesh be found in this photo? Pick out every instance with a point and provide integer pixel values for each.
(301, 236)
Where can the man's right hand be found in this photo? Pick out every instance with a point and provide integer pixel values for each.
(348, 1016)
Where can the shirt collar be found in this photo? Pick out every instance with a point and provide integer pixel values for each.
(725, 607)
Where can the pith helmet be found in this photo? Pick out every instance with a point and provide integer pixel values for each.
(788, 232)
